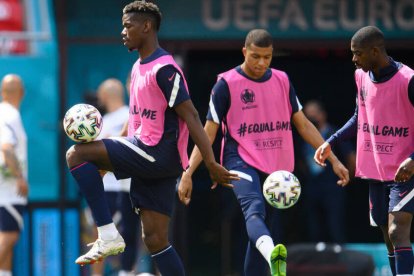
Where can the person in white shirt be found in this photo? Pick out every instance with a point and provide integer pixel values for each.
(13, 169)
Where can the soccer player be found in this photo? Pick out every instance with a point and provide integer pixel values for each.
(155, 152)
(13, 170)
(255, 106)
(383, 124)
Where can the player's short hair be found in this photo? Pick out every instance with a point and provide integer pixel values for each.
(258, 37)
(148, 9)
(369, 36)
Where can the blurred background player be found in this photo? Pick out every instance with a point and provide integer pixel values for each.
(383, 124)
(13, 170)
(324, 201)
(255, 106)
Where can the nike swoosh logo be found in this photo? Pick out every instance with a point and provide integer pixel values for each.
(171, 78)
(402, 194)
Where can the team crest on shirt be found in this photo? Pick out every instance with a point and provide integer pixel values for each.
(247, 96)
(363, 95)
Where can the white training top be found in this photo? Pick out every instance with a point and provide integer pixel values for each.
(12, 132)
(112, 126)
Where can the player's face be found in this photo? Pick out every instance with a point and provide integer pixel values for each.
(257, 60)
(363, 57)
(133, 31)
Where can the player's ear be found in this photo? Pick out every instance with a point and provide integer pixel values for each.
(147, 26)
(375, 51)
(244, 51)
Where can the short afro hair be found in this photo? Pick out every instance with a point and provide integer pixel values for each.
(145, 8)
(258, 37)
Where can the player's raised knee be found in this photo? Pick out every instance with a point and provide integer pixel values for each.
(72, 155)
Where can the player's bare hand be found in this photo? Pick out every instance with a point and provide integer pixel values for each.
(185, 188)
(405, 171)
(22, 187)
(342, 172)
(220, 175)
(322, 153)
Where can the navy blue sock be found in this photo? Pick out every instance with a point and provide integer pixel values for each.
(254, 263)
(403, 260)
(391, 259)
(168, 262)
(91, 186)
(256, 228)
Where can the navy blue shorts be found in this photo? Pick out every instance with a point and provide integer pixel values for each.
(153, 171)
(11, 218)
(248, 189)
(130, 221)
(387, 197)
(153, 194)
(130, 157)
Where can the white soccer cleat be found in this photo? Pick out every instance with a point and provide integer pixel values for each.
(101, 249)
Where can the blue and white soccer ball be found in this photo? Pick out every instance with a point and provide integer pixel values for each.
(82, 123)
(281, 189)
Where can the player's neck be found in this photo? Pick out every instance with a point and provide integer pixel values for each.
(384, 62)
(148, 48)
(250, 74)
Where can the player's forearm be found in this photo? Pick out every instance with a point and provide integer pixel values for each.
(332, 158)
(12, 163)
(189, 114)
(202, 142)
(311, 135)
(210, 129)
(195, 161)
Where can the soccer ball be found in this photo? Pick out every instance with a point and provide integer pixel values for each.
(281, 189)
(82, 123)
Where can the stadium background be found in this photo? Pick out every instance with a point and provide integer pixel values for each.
(63, 49)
